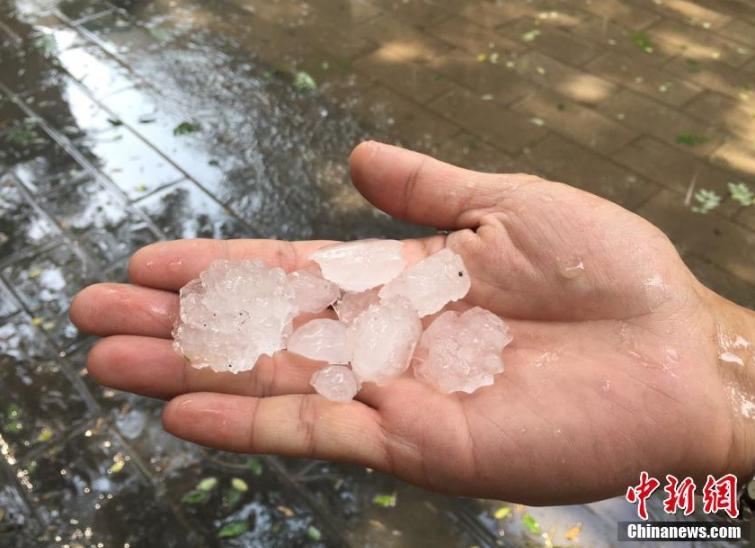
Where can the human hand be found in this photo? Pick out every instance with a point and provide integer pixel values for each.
(614, 366)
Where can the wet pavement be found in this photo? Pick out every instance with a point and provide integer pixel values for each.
(126, 122)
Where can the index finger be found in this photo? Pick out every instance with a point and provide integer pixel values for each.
(171, 265)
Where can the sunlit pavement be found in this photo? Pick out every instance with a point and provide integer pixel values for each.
(122, 123)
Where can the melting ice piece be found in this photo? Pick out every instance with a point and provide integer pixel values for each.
(351, 305)
(461, 352)
(362, 264)
(323, 340)
(232, 314)
(313, 292)
(382, 340)
(336, 382)
(431, 283)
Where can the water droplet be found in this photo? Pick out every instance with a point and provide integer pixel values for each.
(571, 269)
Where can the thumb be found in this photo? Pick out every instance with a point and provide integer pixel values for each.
(420, 189)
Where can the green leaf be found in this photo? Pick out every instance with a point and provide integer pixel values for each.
(707, 201)
(690, 139)
(239, 485)
(386, 500)
(207, 484)
(641, 40)
(531, 35)
(231, 498)
(255, 465)
(13, 427)
(195, 497)
(114, 122)
(531, 524)
(304, 82)
(741, 194)
(184, 128)
(233, 529)
(313, 533)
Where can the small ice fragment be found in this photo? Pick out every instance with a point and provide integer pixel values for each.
(461, 352)
(731, 357)
(362, 264)
(431, 283)
(235, 312)
(382, 340)
(352, 305)
(335, 382)
(323, 340)
(313, 293)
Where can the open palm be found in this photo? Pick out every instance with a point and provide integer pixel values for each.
(612, 369)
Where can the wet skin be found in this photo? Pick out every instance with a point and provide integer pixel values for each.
(614, 366)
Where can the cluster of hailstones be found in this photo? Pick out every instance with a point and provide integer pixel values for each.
(236, 311)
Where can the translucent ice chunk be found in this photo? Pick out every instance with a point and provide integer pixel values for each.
(351, 305)
(362, 264)
(431, 283)
(323, 340)
(336, 382)
(235, 312)
(461, 352)
(313, 292)
(382, 340)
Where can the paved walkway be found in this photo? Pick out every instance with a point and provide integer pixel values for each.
(125, 122)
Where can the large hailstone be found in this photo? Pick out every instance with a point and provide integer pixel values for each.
(323, 340)
(351, 305)
(382, 340)
(233, 313)
(431, 283)
(362, 264)
(335, 382)
(461, 352)
(312, 292)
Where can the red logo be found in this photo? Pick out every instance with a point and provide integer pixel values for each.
(718, 495)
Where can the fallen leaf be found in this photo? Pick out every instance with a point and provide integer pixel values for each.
(573, 532)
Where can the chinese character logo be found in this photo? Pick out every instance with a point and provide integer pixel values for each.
(721, 494)
(638, 494)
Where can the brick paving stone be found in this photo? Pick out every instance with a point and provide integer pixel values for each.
(739, 30)
(22, 227)
(714, 76)
(679, 39)
(572, 83)
(563, 161)
(715, 238)
(674, 169)
(39, 404)
(582, 124)
(633, 17)
(186, 211)
(688, 11)
(421, 13)
(666, 124)
(631, 72)
(738, 156)
(466, 150)
(551, 40)
(401, 39)
(616, 37)
(721, 281)
(410, 79)
(733, 115)
(474, 38)
(100, 220)
(92, 480)
(503, 128)
(502, 84)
